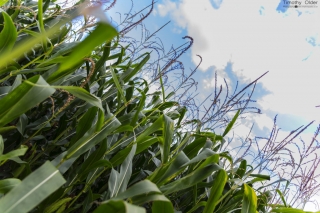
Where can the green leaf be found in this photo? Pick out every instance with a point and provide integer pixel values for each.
(55, 206)
(204, 154)
(82, 94)
(85, 123)
(142, 187)
(119, 206)
(103, 33)
(139, 109)
(113, 182)
(162, 207)
(168, 126)
(14, 153)
(93, 158)
(23, 98)
(174, 168)
(193, 148)
(116, 82)
(1, 145)
(282, 197)
(120, 183)
(98, 164)
(8, 35)
(32, 190)
(6, 129)
(131, 72)
(216, 191)
(22, 123)
(249, 200)
(2, 2)
(16, 83)
(189, 180)
(142, 144)
(230, 125)
(289, 210)
(194, 208)
(142, 141)
(7, 184)
(241, 170)
(65, 165)
(90, 140)
(87, 202)
(265, 177)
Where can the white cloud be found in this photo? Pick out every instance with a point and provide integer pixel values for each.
(255, 43)
(171, 8)
(221, 75)
(167, 7)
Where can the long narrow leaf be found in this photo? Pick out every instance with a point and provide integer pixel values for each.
(249, 200)
(32, 190)
(22, 98)
(8, 34)
(86, 142)
(230, 125)
(103, 33)
(189, 180)
(167, 135)
(216, 191)
(123, 177)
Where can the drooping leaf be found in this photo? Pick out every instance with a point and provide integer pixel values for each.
(82, 94)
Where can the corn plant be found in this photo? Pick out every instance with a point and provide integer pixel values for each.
(81, 132)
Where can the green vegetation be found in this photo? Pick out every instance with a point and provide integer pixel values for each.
(80, 131)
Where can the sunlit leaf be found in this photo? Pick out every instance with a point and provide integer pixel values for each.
(249, 200)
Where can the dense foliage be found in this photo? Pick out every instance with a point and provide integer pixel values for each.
(82, 132)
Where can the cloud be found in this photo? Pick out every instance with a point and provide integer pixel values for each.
(172, 9)
(256, 38)
(167, 7)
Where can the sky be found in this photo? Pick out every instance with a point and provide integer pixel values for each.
(243, 40)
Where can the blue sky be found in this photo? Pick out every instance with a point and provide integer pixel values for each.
(241, 41)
